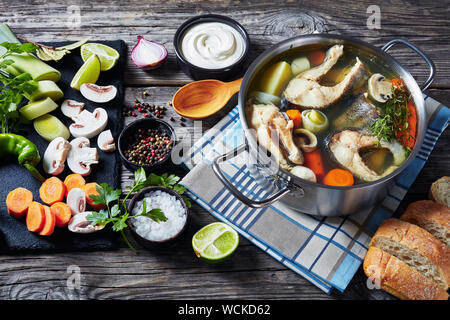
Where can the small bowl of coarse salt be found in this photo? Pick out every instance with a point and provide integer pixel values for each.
(169, 221)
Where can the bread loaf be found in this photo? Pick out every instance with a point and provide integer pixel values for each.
(440, 191)
(431, 216)
(399, 279)
(416, 247)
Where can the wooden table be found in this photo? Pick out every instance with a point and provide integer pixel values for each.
(177, 273)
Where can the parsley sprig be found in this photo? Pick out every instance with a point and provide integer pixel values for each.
(12, 89)
(116, 212)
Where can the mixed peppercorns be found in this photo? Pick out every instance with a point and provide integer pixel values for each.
(148, 146)
(145, 108)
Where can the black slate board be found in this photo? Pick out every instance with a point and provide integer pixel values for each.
(14, 236)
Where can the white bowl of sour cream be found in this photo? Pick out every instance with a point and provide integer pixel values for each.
(211, 46)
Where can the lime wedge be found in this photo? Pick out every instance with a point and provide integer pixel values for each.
(88, 73)
(215, 242)
(107, 55)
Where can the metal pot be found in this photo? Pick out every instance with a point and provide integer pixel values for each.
(306, 196)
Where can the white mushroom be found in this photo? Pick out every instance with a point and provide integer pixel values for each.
(98, 93)
(55, 156)
(76, 200)
(305, 139)
(304, 173)
(89, 124)
(81, 156)
(71, 108)
(80, 224)
(105, 141)
(379, 88)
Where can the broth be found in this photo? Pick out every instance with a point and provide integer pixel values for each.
(359, 119)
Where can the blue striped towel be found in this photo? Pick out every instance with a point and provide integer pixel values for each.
(325, 250)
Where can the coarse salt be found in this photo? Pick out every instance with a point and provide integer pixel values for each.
(172, 208)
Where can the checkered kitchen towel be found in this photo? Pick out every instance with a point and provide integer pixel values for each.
(326, 251)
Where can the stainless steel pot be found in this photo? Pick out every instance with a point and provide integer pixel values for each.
(306, 196)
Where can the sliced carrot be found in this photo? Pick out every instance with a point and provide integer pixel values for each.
(313, 161)
(74, 180)
(35, 217)
(316, 57)
(52, 190)
(408, 137)
(62, 214)
(339, 178)
(91, 189)
(296, 116)
(18, 201)
(49, 225)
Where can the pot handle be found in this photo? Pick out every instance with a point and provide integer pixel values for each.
(246, 200)
(429, 62)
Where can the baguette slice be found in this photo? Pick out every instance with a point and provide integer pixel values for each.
(416, 247)
(432, 216)
(399, 279)
(440, 191)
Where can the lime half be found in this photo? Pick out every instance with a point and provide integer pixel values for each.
(215, 242)
(88, 73)
(108, 56)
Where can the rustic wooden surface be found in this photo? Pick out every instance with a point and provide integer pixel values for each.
(250, 273)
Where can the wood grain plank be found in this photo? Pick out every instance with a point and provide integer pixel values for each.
(425, 25)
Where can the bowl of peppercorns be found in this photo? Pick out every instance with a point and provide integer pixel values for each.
(146, 143)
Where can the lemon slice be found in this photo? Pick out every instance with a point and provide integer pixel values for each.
(88, 73)
(108, 56)
(215, 242)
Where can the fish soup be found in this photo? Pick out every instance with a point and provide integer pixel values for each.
(334, 115)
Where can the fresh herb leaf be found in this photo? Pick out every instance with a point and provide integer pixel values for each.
(156, 215)
(98, 218)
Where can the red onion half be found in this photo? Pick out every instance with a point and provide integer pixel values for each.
(148, 54)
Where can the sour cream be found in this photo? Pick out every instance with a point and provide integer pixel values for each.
(212, 45)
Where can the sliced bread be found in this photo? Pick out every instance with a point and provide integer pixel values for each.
(432, 216)
(416, 247)
(399, 279)
(440, 191)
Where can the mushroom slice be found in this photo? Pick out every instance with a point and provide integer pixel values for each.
(305, 140)
(80, 224)
(379, 88)
(71, 108)
(105, 141)
(55, 156)
(98, 93)
(89, 124)
(304, 173)
(81, 156)
(76, 200)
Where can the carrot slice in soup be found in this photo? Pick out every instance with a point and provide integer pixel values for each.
(313, 161)
(18, 201)
(91, 189)
(35, 217)
(316, 57)
(52, 190)
(74, 180)
(62, 214)
(339, 178)
(296, 116)
(49, 225)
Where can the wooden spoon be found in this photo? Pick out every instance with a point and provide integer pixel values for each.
(200, 99)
